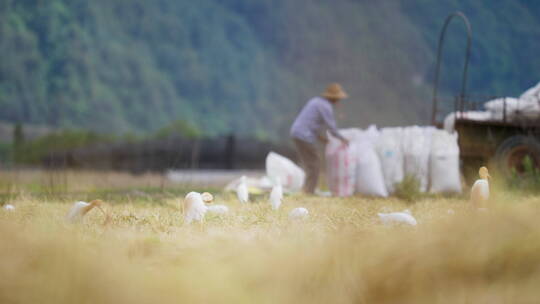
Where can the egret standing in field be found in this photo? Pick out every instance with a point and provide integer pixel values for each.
(195, 207)
(80, 209)
(242, 191)
(480, 189)
(276, 195)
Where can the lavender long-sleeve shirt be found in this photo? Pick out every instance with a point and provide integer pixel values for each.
(316, 116)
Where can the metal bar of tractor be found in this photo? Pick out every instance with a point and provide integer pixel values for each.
(438, 66)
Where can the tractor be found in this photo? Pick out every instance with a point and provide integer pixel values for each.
(505, 143)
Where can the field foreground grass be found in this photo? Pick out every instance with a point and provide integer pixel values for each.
(340, 254)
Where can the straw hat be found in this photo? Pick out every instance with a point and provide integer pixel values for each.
(334, 91)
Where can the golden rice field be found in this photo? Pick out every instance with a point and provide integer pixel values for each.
(340, 254)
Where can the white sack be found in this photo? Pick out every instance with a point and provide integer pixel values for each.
(291, 176)
(500, 104)
(513, 107)
(371, 134)
(532, 93)
(444, 163)
(341, 163)
(352, 134)
(390, 154)
(416, 147)
(369, 178)
(450, 119)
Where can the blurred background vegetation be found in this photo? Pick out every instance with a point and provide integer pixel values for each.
(136, 68)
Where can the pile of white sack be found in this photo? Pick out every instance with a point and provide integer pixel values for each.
(374, 162)
(527, 106)
(377, 160)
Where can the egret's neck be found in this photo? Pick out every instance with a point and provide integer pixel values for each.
(85, 209)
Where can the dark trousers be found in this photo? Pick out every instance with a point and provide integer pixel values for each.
(309, 160)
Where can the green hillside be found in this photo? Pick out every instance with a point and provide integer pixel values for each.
(245, 66)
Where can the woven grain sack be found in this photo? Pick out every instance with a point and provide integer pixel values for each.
(416, 146)
(369, 176)
(444, 163)
(388, 147)
(341, 161)
(279, 167)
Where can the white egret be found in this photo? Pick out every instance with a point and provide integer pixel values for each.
(195, 207)
(218, 209)
(395, 218)
(80, 209)
(242, 191)
(298, 213)
(276, 195)
(480, 189)
(8, 207)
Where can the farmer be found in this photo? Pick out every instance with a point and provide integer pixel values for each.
(310, 125)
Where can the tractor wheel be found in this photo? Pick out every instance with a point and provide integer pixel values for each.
(512, 152)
